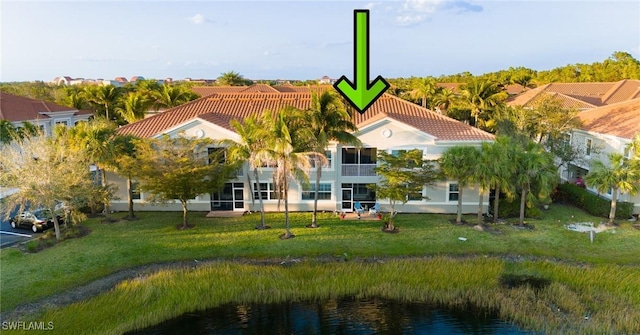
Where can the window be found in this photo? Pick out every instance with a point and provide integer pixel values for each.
(266, 190)
(327, 154)
(587, 150)
(349, 156)
(453, 193)
(135, 191)
(627, 152)
(324, 191)
(362, 156)
(566, 139)
(415, 196)
(64, 123)
(218, 154)
(368, 155)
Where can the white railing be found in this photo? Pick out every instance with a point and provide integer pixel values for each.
(361, 170)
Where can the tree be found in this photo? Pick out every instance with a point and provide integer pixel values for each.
(73, 97)
(96, 138)
(28, 129)
(620, 175)
(231, 78)
(493, 168)
(458, 163)
(45, 171)
(403, 176)
(535, 173)
(425, 89)
(133, 106)
(179, 168)
(7, 131)
(551, 119)
(103, 98)
(444, 99)
(501, 154)
(481, 96)
(168, 96)
(287, 141)
(251, 148)
(328, 121)
(126, 164)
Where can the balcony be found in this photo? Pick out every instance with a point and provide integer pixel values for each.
(358, 170)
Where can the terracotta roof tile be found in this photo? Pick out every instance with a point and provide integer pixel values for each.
(624, 90)
(221, 108)
(621, 119)
(596, 94)
(17, 108)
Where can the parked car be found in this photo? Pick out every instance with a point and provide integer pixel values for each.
(37, 220)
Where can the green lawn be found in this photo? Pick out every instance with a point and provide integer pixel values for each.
(154, 238)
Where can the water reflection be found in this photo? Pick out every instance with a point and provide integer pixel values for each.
(343, 316)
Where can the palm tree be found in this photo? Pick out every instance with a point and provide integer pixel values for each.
(459, 163)
(231, 79)
(424, 88)
(96, 138)
(480, 96)
(72, 96)
(328, 121)
(535, 170)
(252, 148)
(104, 97)
(634, 147)
(444, 99)
(169, 96)
(619, 175)
(126, 163)
(133, 106)
(503, 168)
(285, 135)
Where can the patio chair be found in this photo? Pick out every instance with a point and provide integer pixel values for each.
(375, 209)
(357, 206)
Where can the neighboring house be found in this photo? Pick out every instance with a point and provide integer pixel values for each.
(46, 115)
(605, 130)
(326, 80)
(582, 96)
(390, 124)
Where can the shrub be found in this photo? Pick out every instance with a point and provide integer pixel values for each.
(511, 209)
(592, 203)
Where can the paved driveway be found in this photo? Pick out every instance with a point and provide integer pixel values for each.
(10, 236)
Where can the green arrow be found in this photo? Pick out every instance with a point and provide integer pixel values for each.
(361, 94)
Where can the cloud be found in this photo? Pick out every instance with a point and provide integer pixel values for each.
(416, 11)
(197, 19)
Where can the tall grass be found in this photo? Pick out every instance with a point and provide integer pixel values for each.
(560, 307)
(607, 280)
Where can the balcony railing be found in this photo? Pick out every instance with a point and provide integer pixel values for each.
(360, 170)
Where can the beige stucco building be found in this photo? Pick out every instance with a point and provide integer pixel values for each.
(389, 124)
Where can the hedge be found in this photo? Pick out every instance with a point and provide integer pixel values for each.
(592, 203)
(511, 209)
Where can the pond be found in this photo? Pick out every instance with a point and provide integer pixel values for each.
(336, 316)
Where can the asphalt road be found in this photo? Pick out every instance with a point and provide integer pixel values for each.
(10, 236)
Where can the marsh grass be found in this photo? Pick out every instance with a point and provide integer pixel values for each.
(448, 282)
(591, 279)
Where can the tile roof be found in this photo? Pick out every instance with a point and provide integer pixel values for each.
(16, 108)
(620, 119)
(591, 94)
(225, 105)
(205, 91)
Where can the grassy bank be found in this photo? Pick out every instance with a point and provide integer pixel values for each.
(607, 294)
(113, 247)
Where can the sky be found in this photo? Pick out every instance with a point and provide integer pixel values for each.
(305, 39)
